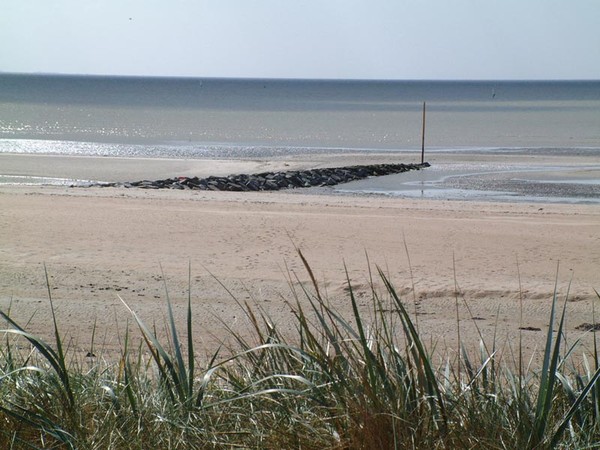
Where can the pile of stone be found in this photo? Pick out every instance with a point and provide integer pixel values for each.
(274, 181)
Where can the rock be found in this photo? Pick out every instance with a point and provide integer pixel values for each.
(271, 181)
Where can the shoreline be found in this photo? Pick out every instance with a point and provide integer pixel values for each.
(463, 176)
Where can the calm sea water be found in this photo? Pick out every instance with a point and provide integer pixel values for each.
(187, 118)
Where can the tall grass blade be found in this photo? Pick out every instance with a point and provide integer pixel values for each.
(549, 373)
(181, 378)
(573, 410)
(168, 370)
(371, 361)
(431, 384)
(190, 340)
(64, 374)
(127, 373)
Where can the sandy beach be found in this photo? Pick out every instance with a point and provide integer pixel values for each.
(98, 244)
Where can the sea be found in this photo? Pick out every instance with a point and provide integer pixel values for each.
(134, 117)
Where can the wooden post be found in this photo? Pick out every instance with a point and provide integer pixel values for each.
(423, 137)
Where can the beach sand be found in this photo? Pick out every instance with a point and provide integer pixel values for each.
(99, 244)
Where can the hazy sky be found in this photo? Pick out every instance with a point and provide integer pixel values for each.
(381, 39)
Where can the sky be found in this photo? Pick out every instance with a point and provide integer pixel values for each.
(323, 39)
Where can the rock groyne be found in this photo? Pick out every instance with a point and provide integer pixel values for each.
(274, 181)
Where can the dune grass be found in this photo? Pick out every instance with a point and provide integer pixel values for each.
(366, 381)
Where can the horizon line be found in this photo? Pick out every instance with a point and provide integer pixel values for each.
(315, 79)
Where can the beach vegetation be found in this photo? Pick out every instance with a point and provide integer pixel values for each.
(362, 381)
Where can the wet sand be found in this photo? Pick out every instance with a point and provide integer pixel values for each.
(546, 180)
